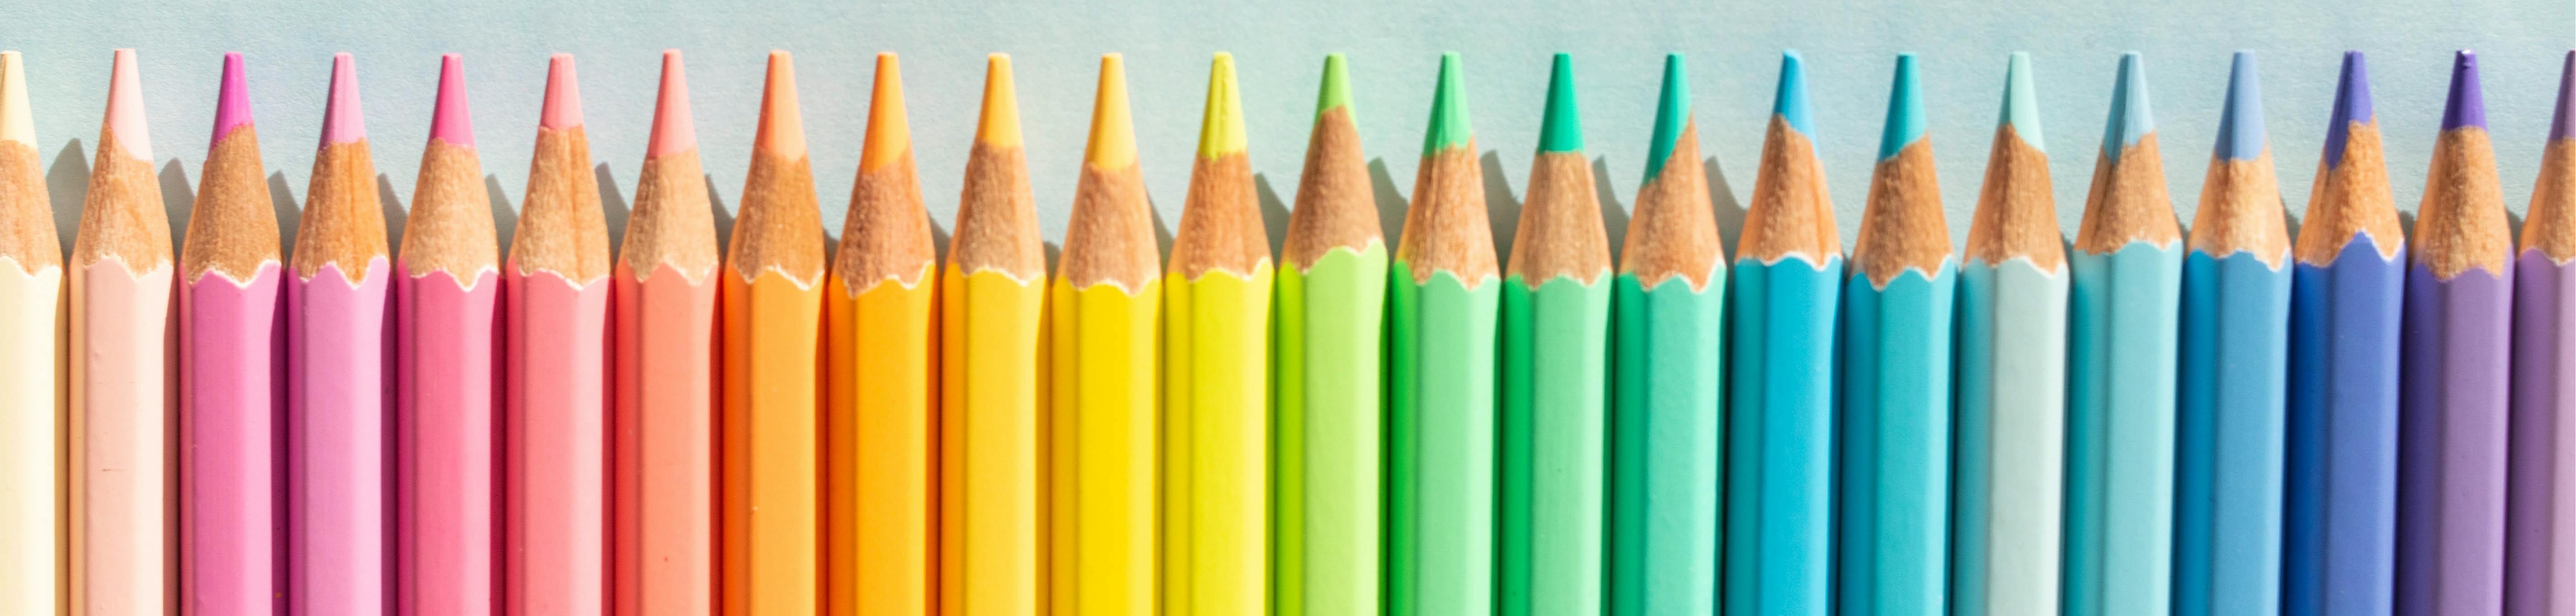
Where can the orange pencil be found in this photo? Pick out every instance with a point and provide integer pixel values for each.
(772, 315)
(990, 368)
(662, 521)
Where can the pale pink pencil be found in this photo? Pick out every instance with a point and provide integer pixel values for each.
(556, 310)
(336, 386)
(445, 304)
(228, 371)
(664, 299)
(121, 372)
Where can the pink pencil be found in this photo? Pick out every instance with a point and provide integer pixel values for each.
(228, 369)
(120, 371)
(336, 386)
(557, 315)
(665, 303)
(445, 302)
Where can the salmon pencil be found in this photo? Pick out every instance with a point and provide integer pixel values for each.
(228, 370)
(1102, 362)
(2540, 543)
(991, 370)
(663, 308)
(446, 298)
(335, 319)
(880, 327)
(120, 372)
(31, 359)
(772, 314)
(555, 316)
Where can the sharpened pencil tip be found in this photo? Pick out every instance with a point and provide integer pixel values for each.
(1672, 114)
(2021, 101)
(562, 107)
(1449, 127)
(2562, 125)
(342, 119)
(1561, 125)
(782, 125)
(999, 125)
(889, 126)
(2240, 123)
(452, 119)
(2467, 106)
(17, 122)
(2351, 105)
(1336, 91)
(1904, 110)
(125, 107)
(2131, 119)
(1113, 126)
(1789, 101)
(1221, 124)
(232, 101)
(673, 132)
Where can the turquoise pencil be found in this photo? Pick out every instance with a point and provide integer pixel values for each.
(2122, 322)
(1895, 522)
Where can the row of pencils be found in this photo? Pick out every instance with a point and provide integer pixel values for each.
(2146, 424)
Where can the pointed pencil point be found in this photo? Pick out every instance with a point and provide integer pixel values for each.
(2021, 101)
(1113, 127)
(2467, 105)
(999, 125)
(2130, 118)
(782, 125)
(17, 122)
(1904, 110)
(1672, 114)
(2562, 125)
(452, 120)
(889, 128)
(1789, 101)
(1336, 91)
(232, 101)
(562, 108)
(2240, 123)
(1221, 125)
(673, 132)
(125, 107)
(342, 121)
(1449, 127)
(1561, 124)
(2351, 105)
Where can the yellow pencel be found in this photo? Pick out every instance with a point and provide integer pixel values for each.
(989, 371)
(1216, 443)
(1102, 424)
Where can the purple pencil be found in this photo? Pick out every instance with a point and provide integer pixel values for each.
(2540, 557)
(2452, 381)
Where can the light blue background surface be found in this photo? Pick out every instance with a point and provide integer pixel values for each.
(1732, 46)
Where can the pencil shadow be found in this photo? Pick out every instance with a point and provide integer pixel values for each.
(1614, 215)
(612, 203)
(723, 216)
(1274, 213)
(178, 200)
(1500, 204)
(938, 241)
(2406, 223)
(1162, 232)
(68, 184)
(1390, 201)
(1054, 251)
(395, 214)
(281, 199)
(505, 219)
(1730, 213)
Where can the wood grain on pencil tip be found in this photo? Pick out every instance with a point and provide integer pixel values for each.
(562, 228)
(997, 226)
(1791, 213)
(672, 224)
(2351, 198)
(1445, 227)
(1674, 232)
(449, 228)
(343, 220)
(232, 230)
(1220, 228)
(27, 233)
(1336, 205)
(1111, 237)
(780, 226)
(886, 235)
(2016, 215)
(2127, 201)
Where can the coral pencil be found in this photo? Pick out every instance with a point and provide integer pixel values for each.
(1788, 266)
(991, 372)
(2009, 482)
(1101, 382)
(31, 359)
(2540, 544)
(880, 330)
(663, 308)
(2454, 381)
(446, 295)
(1328, 402)
(2123, 317)
(121, 372)
(228, 371)
(336, 385)
(555, 369)
(1442, 325)
(2340, 519)
(1667, 385)
(772, 314)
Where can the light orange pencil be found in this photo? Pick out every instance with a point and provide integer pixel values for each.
(990, 368)
(772, 314)
(120, 372)
(554, 305)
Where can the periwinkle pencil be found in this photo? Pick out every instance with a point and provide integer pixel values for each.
(2340, 528)
(1328, 405)
(228, 371)
(772, 318)
(2010, 480)
(32, 363)
(336, 310)
(879, 316)
(554, 311)
(1667, 378)
(2234, 371)
(991, 366)
(1555, 374)
(2453, 384)
(120, 383)
(446, 363)
(662, 305)
(2123, 317)
(1442, 328)
(1102, 367)
(2540, 544)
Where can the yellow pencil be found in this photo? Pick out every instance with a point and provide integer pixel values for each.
(1216, 420)
(991, 296)
(772, 304)
(1101, 388)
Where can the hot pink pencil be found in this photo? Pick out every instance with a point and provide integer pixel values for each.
(556, 307)
(228, 370)
(120, 371)
(445, 302)
(336, 386)
(665, 304)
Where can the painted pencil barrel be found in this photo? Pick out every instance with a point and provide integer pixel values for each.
(2451, 458)
(1780, 447)
(990, 469)
(1216, 443)
(227, 385)
(119, 399)
(2011, 433)
(2122, 323)
(1667, 437)
(1895, 426)
(557, 453)
(1441, 433)
(2340, 531)
(1103, 446)
(1555, 445)
(445, 528)
(1327, 434)
(2540, 570)
(772, 472)
(335, 435)
(663, 521)
(877, 444)
(31, 389)
(2230, 435)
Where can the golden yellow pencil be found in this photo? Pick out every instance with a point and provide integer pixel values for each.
(990, 367)
(771, 309)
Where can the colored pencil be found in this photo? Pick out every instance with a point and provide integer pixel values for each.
(880, 318)
(2540, 544)
(120, 371)
(228, 369)
(662, 302)
(32, 364)
(1216, 377)
(1555, 374)
(772, 317)
(2235, 366)
(1326, 446)
(1441, 334)
(1101, 384)
(2340, 528)
(336, 309)
(555, 319)
(2123, 317)
(2010, 481)
(1788, 266)
(991, 467)
(2454, 380)
(446, 302)
(1667, 387)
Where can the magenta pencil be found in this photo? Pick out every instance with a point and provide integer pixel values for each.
(2540, 543)
(445, 303)
(336, 386)
(555, 310)
(228, 373)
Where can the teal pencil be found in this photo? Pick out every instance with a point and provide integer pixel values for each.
(1895, 443)
(2122, 323)
(1667, 379)
(2012, 376)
